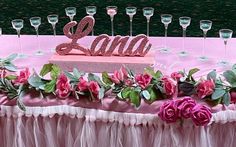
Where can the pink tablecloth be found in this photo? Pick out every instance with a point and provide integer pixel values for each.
(67, 123)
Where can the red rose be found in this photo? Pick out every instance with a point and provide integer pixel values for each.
(119, 76)
(201, 115)
(82, 85)
(169, 112)
(176, 76)
(169, 86)
(63, 87)
(185, 106)
(143, 80)
(94, 87)
(205, 88)
(23, 77)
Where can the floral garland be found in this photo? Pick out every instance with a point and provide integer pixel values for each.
(126, 85)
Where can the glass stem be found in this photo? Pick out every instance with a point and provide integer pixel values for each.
(204, 43)
(19, 41)
(93, 27)
(54, 29)
(37, 35)
(72, 29)
(225, 43)
(184, 35)
(112, 27)
(166, 27)
(131, 27)
(148, 27)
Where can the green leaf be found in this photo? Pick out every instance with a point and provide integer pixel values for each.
(77, 74)
(106, 79)
(230, 77)
(153, 94)
(234, 68)
(10, 67)
(93, 77)
(55, 71)
(192, 71)
(21, 105)
(10, 58)
(146, 95)
(134, 98)
(71, 77)
(119, 95)
(11, 77)
(50, 86)
(36, 81)
(101, 93)
(125, 93)
(155, 75)
(212, 75)
(46, 69)
(226, 98)
(218, 93)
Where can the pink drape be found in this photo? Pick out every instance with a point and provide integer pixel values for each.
(67, 126)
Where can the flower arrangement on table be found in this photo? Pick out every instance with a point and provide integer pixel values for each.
(127, 86)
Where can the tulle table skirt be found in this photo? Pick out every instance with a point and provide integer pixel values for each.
(68, 126)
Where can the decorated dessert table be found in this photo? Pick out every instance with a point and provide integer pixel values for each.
(59, 118)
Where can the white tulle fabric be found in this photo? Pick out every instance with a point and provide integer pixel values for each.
(67, 126)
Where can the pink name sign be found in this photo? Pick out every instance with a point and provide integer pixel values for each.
(121, 46)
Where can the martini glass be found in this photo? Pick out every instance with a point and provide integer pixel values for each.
(18, 24)
(184, 23)
(205, 26)
(36, 22)
(112, 11)
(70, 12)
(53, 20)
(131, 11)
(148, 13)
(225, 34)
(91, 11)
(166, 19)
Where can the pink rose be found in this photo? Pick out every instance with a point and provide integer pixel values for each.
(169, 112)
(94, 87)
(82, 85)
(185, 106)
(169, 86)
(176, 76)
(23, 77)
(63, 87)
(205, 88)
(119, 76)
(143, 80)
(201, 115)
(233, 97)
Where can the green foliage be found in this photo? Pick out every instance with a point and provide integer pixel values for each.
(6, 63)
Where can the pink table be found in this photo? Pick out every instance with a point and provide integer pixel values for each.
(66, 123)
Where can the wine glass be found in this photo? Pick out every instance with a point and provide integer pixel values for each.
(184, 23)
(91, 11)
(0, 31)
(53, 20)
(18, 24)
(36, 22)
(131, 11)
(205, 26)
(112, 11)
(225, 34)
(70, 12)
(148, 13)
(166, 19)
